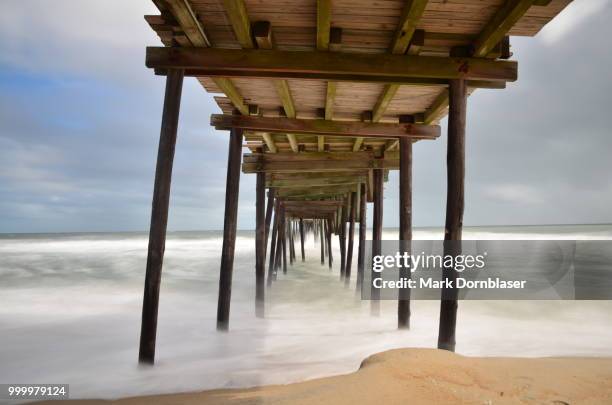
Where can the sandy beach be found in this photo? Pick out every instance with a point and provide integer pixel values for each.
(426, 376)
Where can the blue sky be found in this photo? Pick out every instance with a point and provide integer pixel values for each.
(80, 116)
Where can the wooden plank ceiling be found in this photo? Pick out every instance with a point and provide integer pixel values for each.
(433, 28)
(422, 29)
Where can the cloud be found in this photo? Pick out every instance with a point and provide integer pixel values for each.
(575, 14)
(80, 118)
(85, 38)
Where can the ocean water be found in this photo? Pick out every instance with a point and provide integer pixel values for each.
(71, 303)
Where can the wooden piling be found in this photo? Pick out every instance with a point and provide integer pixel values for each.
(330, 256)
(324, 228)
(273, 244)
(455, 168)
(377, 235)
(159, 214)
(321, 236)
(351, 237)
(293, 241)
(260, 243)
(362, 237)
(405, 231)
(278, 260)
(290, 240)
(269, 212)
(342, 241)
(283, 239)
(302, 238)
(229, 228)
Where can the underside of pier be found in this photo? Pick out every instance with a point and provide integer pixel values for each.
(327, 97)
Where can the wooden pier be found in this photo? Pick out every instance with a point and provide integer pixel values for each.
(327, 96)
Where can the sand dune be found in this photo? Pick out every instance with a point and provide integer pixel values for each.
(422, 376)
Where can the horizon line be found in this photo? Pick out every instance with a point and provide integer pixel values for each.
(252, 229)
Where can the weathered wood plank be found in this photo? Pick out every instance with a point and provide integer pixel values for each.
(269, 141)
(195, 33)
(317, 182)
(328, 65)
(159, 215)
(274, 243)
(189, 23)
(455, 167)
(237, 13)
(302, 238)
(335, 128)
(362, 236)
(437, 107)
(229, 228)
(405, 225)
(262, 32)
(351, 238)
(377, 226)
(411, 14)
(260, 244)
(503, 20)
(323, 24)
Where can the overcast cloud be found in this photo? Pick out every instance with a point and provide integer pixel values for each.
(80, 115)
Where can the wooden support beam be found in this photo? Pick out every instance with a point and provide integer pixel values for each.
(239, 19)
(267, 138)
(416, 43)
(282, 238)
(262, 31)
(191, 26)
(455, 166)
(269, 212)
(193, 29)
(284, 94)
(330, 257)
(393, 143)
(274, 243)
(317, 203)
(330, 96)
(290, 239)
(401, 69)
(383, 101)
(229, 228)
(405, 231)
(302, 238)
(159, 215)
(237, 14)
(366, 116)
(279, 248)
(293, 142)
(227, 87)
(362, 236)
(293, 241)
(436, 109)
(322, 181)
(260, 243)
(411, 14)
(377, 236)
(351, 238)
(504, 19)
(323, 24)
(329, 100)
(335, 128)
(321, 242)
(312, 191)
(342, 217)
(269, 141)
